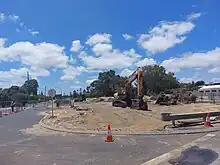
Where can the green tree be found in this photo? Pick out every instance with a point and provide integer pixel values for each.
(200, 83)
(106, 84)
(75, 94)
(87, 89)
(155, 79)
(31, 86)
(20, 98)
(13, 90)
(23, 90)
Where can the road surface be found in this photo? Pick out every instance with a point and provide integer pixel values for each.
(19, 149)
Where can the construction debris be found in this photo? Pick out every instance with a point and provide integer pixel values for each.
(175, 98)
(81, 108)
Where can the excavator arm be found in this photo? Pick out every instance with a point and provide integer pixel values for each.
(138, 74)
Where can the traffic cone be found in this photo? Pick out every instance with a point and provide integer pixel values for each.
(207, 121)
(109, 137)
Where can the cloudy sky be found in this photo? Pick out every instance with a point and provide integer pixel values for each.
(65, 44)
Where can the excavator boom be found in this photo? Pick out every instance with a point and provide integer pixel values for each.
(138, 74)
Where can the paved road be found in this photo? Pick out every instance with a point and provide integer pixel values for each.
(18, 149)
(204, 151)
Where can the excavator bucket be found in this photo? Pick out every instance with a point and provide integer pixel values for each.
(119, 103)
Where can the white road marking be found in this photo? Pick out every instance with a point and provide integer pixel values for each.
(163, 142)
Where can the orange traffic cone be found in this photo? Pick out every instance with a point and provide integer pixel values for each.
(109, 137)
(207, 121)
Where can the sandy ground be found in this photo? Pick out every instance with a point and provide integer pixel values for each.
(125, 120)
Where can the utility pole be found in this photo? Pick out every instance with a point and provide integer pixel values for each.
(45, 90)
(28, 76)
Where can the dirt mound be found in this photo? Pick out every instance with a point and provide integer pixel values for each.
(100, 115)
(94, 117)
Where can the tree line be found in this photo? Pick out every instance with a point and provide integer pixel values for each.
(22, 94)
(155, 80)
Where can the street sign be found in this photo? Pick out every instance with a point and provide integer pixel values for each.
(52, 92)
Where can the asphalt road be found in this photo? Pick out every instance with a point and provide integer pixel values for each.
(19, 149)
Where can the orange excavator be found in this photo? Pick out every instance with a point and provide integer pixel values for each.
(126, 100)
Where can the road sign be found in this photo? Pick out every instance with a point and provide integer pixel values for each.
(52, 92)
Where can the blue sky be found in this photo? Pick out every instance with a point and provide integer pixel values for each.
(64, 44)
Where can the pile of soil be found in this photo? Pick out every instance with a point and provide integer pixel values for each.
(94, 117)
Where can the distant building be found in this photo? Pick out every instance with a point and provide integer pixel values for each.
(210, 91)
(210, 88)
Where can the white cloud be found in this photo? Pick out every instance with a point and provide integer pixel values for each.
(70, 73)
(193, 16)
(104, 56)
(2, 17)
(19, 76)
(111, 60)
(42, 72)
(88, 82)
(126, 72)
(127, 36)
(13, 17)
(93, 77)
(193, 60)
(216, 79)
(87, 69)
(165, 36)
(214, 70)
(17, 30)
(198, 68)
(33, 33)
(38, 57)
(146, 61)
(43, 55)
(77, 82)
(75, 87)
(71, 60)
(22, 24)
(16, 19)
(76, 46)
(12, 77)
(189, 79)
(100, 49)
(99, 38)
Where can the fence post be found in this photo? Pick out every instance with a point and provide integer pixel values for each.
(213, 98)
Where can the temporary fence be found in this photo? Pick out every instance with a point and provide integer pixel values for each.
(212, 97)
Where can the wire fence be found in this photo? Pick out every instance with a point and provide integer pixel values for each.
(208, 97)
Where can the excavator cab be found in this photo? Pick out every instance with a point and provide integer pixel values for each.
(126, 100)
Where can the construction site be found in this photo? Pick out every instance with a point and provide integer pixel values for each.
(129, 115)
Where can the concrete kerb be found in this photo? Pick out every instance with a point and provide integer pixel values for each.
(170, 132)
